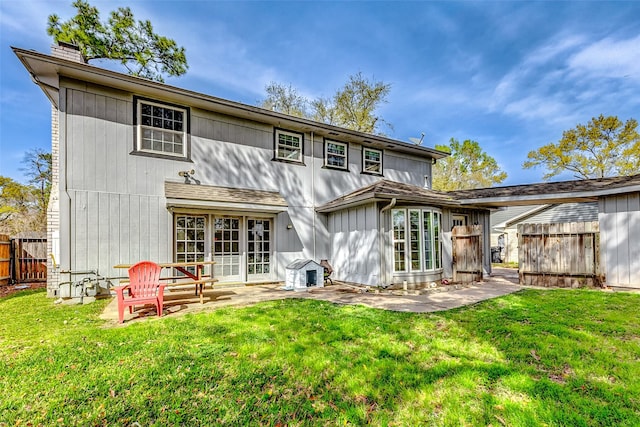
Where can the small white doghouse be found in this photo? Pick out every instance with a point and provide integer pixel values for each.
(303, 274)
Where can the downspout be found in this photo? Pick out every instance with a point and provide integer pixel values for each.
(389, 206)
(313, 197)
(383, 271)
(65, 189)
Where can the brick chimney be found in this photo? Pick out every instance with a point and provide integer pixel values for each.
(67, 51)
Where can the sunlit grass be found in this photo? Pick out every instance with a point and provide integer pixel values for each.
(558, 357)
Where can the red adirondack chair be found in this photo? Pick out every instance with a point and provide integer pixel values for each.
(144, 288)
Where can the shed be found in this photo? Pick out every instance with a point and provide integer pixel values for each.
(303, 274)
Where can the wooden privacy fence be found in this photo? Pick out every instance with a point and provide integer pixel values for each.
(467, 253)
(22, 260)
(562, 255)
(5, 259)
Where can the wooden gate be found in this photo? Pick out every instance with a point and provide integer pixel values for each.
(467, 253)
(5, 259)
(29, 260)
(562, 255)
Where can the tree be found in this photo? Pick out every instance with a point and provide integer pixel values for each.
(356, 103)
(38, 168)
(466, 168)
(353, 106)
(284, 99)
(24, 207)
(604, 147)
(16, 203)
(141, 51)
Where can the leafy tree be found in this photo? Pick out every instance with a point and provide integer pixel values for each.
(356, 103)
(285, 99)
(141, 51)
(466, 168)
(24, 207)
(16, 203)
(604, 147)
(38, 168)
(353, 106)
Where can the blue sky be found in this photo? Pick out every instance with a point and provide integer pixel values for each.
(510, 75)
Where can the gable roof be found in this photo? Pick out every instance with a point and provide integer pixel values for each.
(385, 190)
(301, 263)
(582, 190)
(561, 213)
(502, 217)
(45, 71)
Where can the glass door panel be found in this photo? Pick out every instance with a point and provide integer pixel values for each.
(226, 248)
(190, 239)
(258, 249)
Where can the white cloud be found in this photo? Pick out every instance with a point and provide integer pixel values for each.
(609, 58)
(25, 20)
(568, 78)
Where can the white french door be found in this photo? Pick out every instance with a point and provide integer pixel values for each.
(190, 238)
(258, 249)
(241, 246)
(226, 248)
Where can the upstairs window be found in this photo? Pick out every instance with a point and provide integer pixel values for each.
(288, 145)
(162, 129)
(336, 155)
(372, 161)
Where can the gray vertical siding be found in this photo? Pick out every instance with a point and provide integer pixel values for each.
(113, 208)
(355, 241)
(619, 218)
(110, 229)
(566, 212)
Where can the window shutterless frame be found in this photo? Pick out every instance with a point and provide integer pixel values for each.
(371, 161)
(161, 129)
(336, 155)
(416, 240)
(288, 146)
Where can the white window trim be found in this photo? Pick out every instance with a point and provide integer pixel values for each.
(364, 161)
(421, 261)
(140, 127)
(402, 241)
(326, 154)
(298, 135)
(435, 240)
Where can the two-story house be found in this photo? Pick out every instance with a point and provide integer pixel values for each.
(144, 170)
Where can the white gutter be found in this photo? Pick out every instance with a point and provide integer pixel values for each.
(588, 195)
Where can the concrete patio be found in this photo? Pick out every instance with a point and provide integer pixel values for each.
(501, 282)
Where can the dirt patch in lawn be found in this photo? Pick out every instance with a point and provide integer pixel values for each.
(6, 290)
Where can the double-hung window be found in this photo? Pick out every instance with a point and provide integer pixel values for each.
(288, 145)
(162, 129)
(417, 245)
(372, 161)
(336, 155)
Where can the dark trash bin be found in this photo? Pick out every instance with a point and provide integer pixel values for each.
(495, 254)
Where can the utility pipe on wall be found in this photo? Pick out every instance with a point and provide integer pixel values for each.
(382, 246)
(313, 196)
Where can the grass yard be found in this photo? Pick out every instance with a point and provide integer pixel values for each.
(558, 357)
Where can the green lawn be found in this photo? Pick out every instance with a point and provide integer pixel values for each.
(558, 357)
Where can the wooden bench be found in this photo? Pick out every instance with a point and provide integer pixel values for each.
(199, 284)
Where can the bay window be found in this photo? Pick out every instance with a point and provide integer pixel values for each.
(417, 245)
